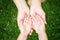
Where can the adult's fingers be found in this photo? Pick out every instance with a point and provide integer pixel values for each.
(41, 13)
(35, 24)
(38, 24)
(30, 33)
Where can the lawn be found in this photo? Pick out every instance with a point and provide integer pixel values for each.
(8, 23)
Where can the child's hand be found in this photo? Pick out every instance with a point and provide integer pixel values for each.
(25, 24)
(23, 19)
(23, 11)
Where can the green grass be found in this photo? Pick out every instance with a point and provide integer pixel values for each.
(8, 23)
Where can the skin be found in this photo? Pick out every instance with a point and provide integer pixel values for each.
(37, 9)
(39, 20)
(26, 22)
(39, 27)
(23, 11)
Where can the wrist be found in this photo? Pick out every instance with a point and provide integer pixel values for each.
(25, 34)
(22, 4)
(22, 1)
(41, 32)
(22, 36)
(42, 36)
(35, 2)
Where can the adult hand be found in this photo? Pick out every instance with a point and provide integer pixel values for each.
(38, 16)
(35, 7)
(39, 27)
(38, 23)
